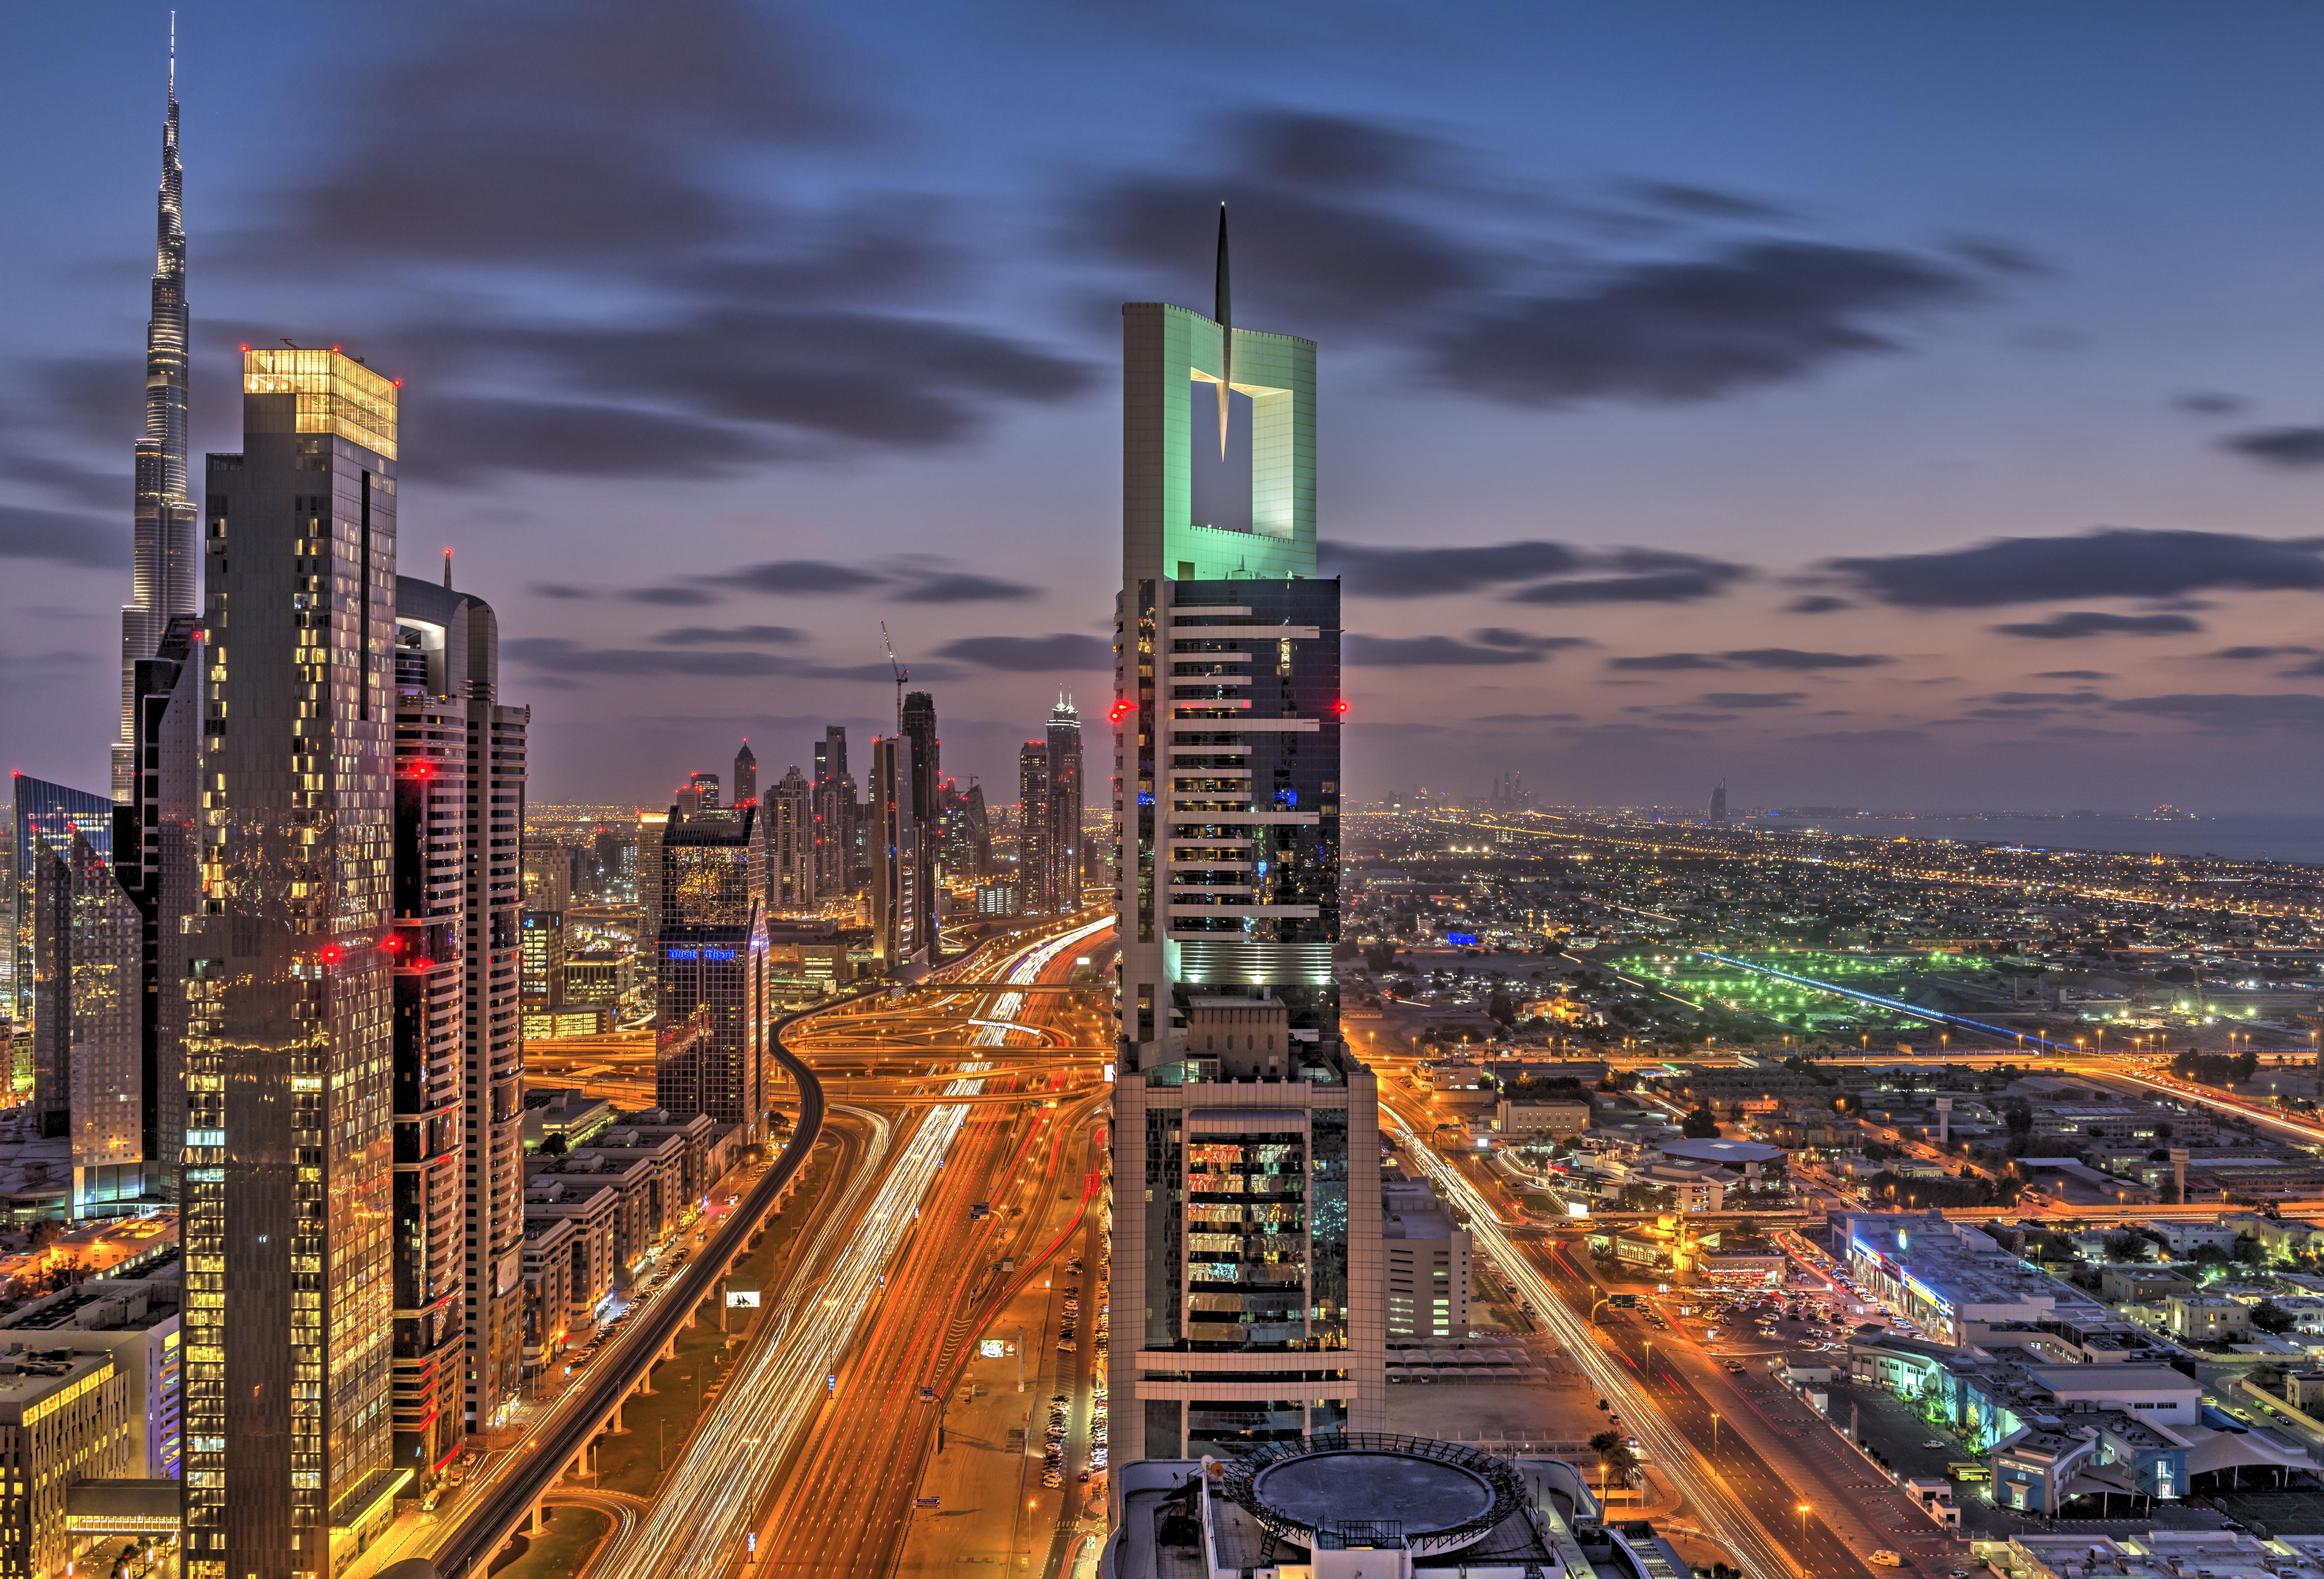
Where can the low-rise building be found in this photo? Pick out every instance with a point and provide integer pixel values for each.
(64, 1417)
(1540, 1121)
(2206, 1318)
(138, 1324)
(1426, 1264)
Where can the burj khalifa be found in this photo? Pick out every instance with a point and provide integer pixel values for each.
(164, 570)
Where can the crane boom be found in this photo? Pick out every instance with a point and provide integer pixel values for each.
(903, 675)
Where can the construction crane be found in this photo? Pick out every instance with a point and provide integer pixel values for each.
(903, 675)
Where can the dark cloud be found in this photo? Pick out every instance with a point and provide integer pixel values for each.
(559, 655)
(1703, 202)
(1656, 663)
(2231, 711)
(1710, 580)
(2082, 732)
(1503, 636)
(453, 439)
(2044, 699)
(722, 635)
(2109, 562)
(2293, 448)
(1792, 658)
(1370, 572)
(2073, 674)
(63, 537)
(560, 591)
(963, 587)
(92, 486)
(670, 596)
(882, 671)
(1817, 603)
(2210, 402)
(1429, 651)
(1998, 256)
(1056, 653)
(1528, 718)
(785, 577)
(1754, 314)
(1677, 717)
(2252, 654)
(2076, 625)
(1735, 699)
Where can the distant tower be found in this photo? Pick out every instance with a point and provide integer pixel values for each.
(703, 788)
(1063, 744)
(1718, 804)
(920, 722)
(746, 777)
(163, 585)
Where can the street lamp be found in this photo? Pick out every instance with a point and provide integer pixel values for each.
(1714, 1431)
(1803, 1522)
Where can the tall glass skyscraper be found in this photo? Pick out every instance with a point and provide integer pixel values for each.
(1246, 1183)
(286, 1203)
(164, 576)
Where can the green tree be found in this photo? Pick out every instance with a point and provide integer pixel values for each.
(1702, 1124)
(2270, 1318)
(555, 1145)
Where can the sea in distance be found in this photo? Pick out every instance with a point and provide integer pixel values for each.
(2238, 839)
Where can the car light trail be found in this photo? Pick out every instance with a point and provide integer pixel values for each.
(1722, 1517)
(701, 1513)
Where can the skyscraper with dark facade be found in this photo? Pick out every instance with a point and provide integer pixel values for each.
(165, 581)
(710, 1049)
(837, 834)
(1049, 815)
(454, 637)
(1246, 1249)
(927, 816)
(746, 777)
(287, 1200)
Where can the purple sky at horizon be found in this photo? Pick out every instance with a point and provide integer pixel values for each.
(1904, 410)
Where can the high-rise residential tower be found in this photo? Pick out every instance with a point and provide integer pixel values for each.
(1033, 859)
(1246, 1183)
(746, 777)
(919, 727)
(1049, 815)
(164, 577)
(710, 1048)
(287, 1201)
(455, 637)
(787, 824)
(835, 830)
(898, 940)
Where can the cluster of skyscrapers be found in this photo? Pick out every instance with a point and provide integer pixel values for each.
(272, 978)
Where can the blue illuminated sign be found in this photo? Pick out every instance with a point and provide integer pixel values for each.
(683, 954)
(717, 953)
(1461, 939)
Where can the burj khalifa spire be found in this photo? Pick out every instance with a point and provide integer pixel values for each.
(164, 565)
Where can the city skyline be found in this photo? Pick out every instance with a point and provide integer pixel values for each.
(1739, 382)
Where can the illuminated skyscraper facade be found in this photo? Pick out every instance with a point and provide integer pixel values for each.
(746, 777)
(1246, 1247)
(919, 720)
(711, 1052)
(898, 940)
(164, 575)
(287, 1204)
(1049, 815)
(453, 637)
(787, 822)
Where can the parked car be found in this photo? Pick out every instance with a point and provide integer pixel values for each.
(1885, 1558)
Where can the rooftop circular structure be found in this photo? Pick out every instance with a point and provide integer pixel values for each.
(1335, 1490)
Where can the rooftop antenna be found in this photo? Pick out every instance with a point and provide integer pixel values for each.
(447, 569)
(1224, 312)
(902, 675)
(173, 57)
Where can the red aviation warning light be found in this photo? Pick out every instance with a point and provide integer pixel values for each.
(1340, 706)
(330, 954)
(1121, 710)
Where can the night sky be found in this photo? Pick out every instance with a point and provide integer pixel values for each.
(1911, 407)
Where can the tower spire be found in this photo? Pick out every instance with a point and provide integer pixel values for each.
(1224, 312)
(161, 558)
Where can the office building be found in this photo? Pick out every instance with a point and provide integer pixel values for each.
(651, 826)
(1247, 1209)
(837, 832)
(287, 1199)
(898, 941)
(1426, 1266)
(164, 576)
(46, 816)
(458, 637)
(89, 1080)
(544, 959)
(64, 1417)
(710, 1046)
(1718, 804)
(547, 882)
(967, 834)
(1049, 814)
(919, 727)
(788, 825)
(135, 1320)
(746, 777)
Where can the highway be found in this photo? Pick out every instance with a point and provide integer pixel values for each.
(798, 1371)
(1738, 1502)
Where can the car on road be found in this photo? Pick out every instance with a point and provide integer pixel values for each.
(1885, 1558)
(1934, 1442)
